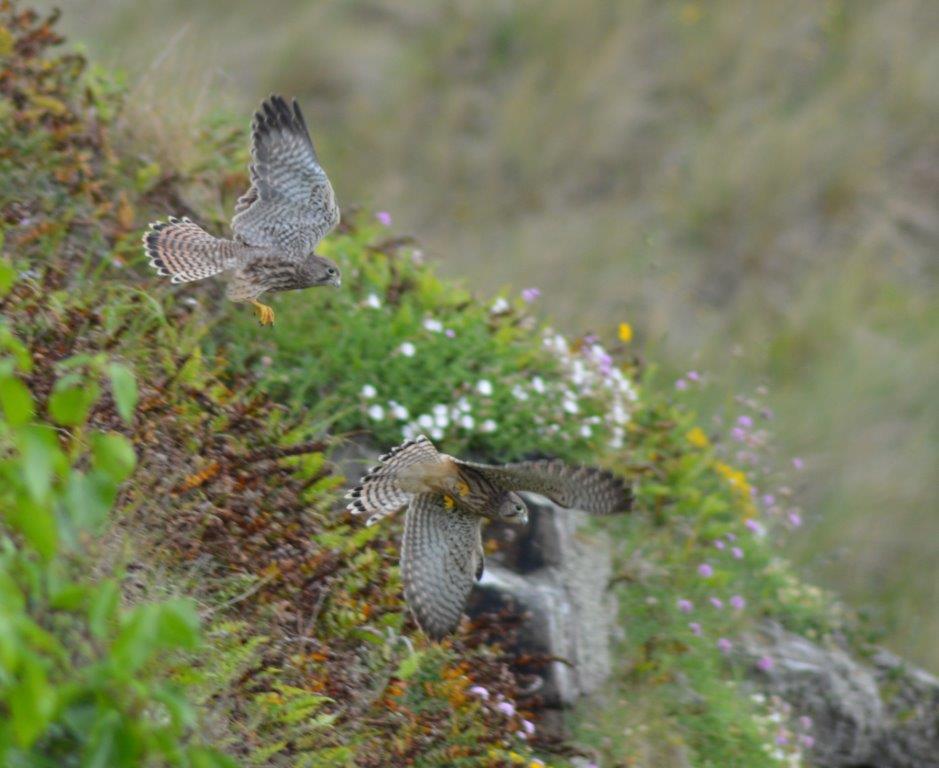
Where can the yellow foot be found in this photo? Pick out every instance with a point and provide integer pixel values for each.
(265, 313)
(462, 487)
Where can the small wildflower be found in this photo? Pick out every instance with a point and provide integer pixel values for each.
(480, 692)
(467, 421)
(693, 376)
(744, 421)
(685, 606)
(506, 708)
(384, 218)
(267, 361)
(398, 411)
(519, 393)
(738, 434)
(798, 464)
(373, 301)
(499, 306)
(695, 628)
(805, 722)
(484, 387)
(705, 570)
(716, 602)
(753, 525)
(536, 763)
(425, 420)
(768, 499)
(782, 739)
(368, 392)
(697, 438)
(807, 741)
(376, 412)
(537, 384)
(528, 727)
(570, 405)
(488, 426)
(795, 519)
(585, 430)
(737, 553)
(765, 664)
(436, 433)
(530, 294)
(681, 385)
(719, 544)
(449, 333)
(724, 645)
(433, 325)
(731, 537)
(625, 333)
(407, 349)
(738, 603)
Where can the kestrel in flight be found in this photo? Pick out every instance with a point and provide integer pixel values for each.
(447, 500)
(288, 208)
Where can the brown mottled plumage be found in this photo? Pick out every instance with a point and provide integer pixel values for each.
(288, 208)
(447, 500)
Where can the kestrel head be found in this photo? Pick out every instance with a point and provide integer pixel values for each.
(511, 509)
(321, 271)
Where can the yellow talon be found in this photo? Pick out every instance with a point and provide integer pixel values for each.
(448, 502)
(463, 487)
(265, 313)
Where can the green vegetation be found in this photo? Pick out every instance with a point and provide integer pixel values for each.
(178, 583)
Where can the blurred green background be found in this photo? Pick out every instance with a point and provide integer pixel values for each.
(754, 186)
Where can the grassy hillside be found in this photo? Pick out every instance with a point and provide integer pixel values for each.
(752, 186)
(179, 583)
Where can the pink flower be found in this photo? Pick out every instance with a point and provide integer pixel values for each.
(738, 603)
(530, 294)
(782, 739)
(693, 376)
(765, 664)
(738, 434)
(449, 333)
(685, 606)
(745, 421)
(506, 708)
(795, 519)
(807, 741)
(478, 690)
(724, 645)
(798, 464)
(719, 544)
(768, 499)
(737, 553)
(716, 602)
(753, 525)
(805, 722)
(730, 536)
(384, 218)
(705, 570)
(681, 384)
(528, 727)
(695, 628)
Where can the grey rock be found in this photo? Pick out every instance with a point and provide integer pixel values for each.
(878, 715)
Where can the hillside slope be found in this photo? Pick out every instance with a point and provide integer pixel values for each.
(180, 582)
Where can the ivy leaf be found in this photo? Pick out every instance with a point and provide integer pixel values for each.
(124, 389)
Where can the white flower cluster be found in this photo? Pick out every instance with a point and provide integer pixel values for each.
(442, 417)
(589, 372)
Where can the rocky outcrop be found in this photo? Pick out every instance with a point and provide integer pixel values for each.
(880, 713)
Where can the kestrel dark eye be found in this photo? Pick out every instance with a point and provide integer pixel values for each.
(330, 271)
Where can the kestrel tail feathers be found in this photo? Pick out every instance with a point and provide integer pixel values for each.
(181, 249)
(384, 487)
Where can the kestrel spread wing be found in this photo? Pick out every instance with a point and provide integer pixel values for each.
(587, 488)
(440, 558)
(290, 204)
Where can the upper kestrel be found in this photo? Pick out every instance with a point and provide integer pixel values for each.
(447, 500)
(288, 208)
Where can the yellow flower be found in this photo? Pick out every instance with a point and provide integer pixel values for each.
(625, 332)
(697, 438)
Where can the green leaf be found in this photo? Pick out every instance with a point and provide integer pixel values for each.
(88, 498)
(16, 400)
(152, 627)
(124, 389)
(32, 701)
(202, 757)
(40, 456)
(102, 608)
(37, 524)
(72, 398)
(409, 665)
(7, 276)
(114, 455)
(178, 625)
